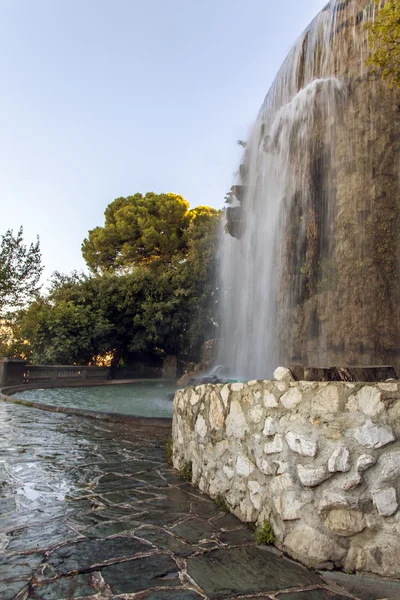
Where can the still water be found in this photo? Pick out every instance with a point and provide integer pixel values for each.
(143, 399)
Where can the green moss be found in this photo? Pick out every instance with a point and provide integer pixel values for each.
(186, 471)
(169, 449)
(221, 503)
(264, 534)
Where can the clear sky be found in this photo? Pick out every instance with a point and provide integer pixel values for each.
(107, 98)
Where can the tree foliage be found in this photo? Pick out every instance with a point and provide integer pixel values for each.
(20, 270)
(142, 298)
(138, 230)
(385, 41)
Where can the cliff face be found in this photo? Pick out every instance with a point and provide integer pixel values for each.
(349, 312)
(322, 169)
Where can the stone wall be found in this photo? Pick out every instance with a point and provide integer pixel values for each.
(320, 461)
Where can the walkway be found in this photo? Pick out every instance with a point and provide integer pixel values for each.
(92, 510)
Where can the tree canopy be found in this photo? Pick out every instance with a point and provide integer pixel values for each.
(138, 229)
(385, 41)
(20, 270)
(151, 291)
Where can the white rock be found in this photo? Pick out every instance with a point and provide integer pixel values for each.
(228, 472)
(275, 446)
(201, 426)
(311, 546)
(217, 417)
(351, 482)
(345, 522)
(269, 427)
(389, 465)
(291, 398)
(326, 400)
(364, 462)
(283, 374)
(225, 394)
(312, 476)
(236, 425)
(369, 400)
(301, 445)
(256, 414)
(236, 387)
(385, 501)
(280, 385)
(269, 400)
(333, 499)
(388, 387)
(244, 466)
(254, 487)
(194, 398)
(340, 460)
(288, 505)
(265, 467)
(373, 436)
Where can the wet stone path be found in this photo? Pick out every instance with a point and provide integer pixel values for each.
(90, 509)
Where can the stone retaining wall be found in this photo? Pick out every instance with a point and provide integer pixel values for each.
(320, 461)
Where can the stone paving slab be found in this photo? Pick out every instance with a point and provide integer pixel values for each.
(91, 509)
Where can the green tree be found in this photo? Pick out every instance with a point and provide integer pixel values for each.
(20, 271)
(385, 41)
(138, 230)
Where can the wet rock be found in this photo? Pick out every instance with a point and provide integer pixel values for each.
(142, 574)
(84, 555)
(246, 570)
(77, 586)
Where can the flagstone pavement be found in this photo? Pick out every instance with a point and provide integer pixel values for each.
(91, 509)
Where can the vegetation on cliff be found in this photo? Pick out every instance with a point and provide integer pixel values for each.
(385, 41)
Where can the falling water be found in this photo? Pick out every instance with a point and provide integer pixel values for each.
(291, 274)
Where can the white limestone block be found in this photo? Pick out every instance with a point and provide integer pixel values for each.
(364, 462)
(275, 446)
(201, 426)
(269, 427)
(312, 476)
(385, 501)
(283, 374)
(371, 435)
(301, 445)
(244, 466)
(291, 398)
(340, 460)
(236, 425)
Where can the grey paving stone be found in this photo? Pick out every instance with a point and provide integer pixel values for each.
(235, 538)
(77, 586)
(8, 590)
(364, 588)
(195, 530)
(40, 537)
(164, 541)
(142, 574)
(19, 566)
(82, 556)
(246, 570)
(312, 595)
(173, 595)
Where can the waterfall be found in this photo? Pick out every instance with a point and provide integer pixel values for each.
(297, 247)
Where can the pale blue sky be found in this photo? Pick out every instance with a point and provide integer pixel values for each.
(106, 98)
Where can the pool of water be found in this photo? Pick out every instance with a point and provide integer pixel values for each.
(143, 399)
